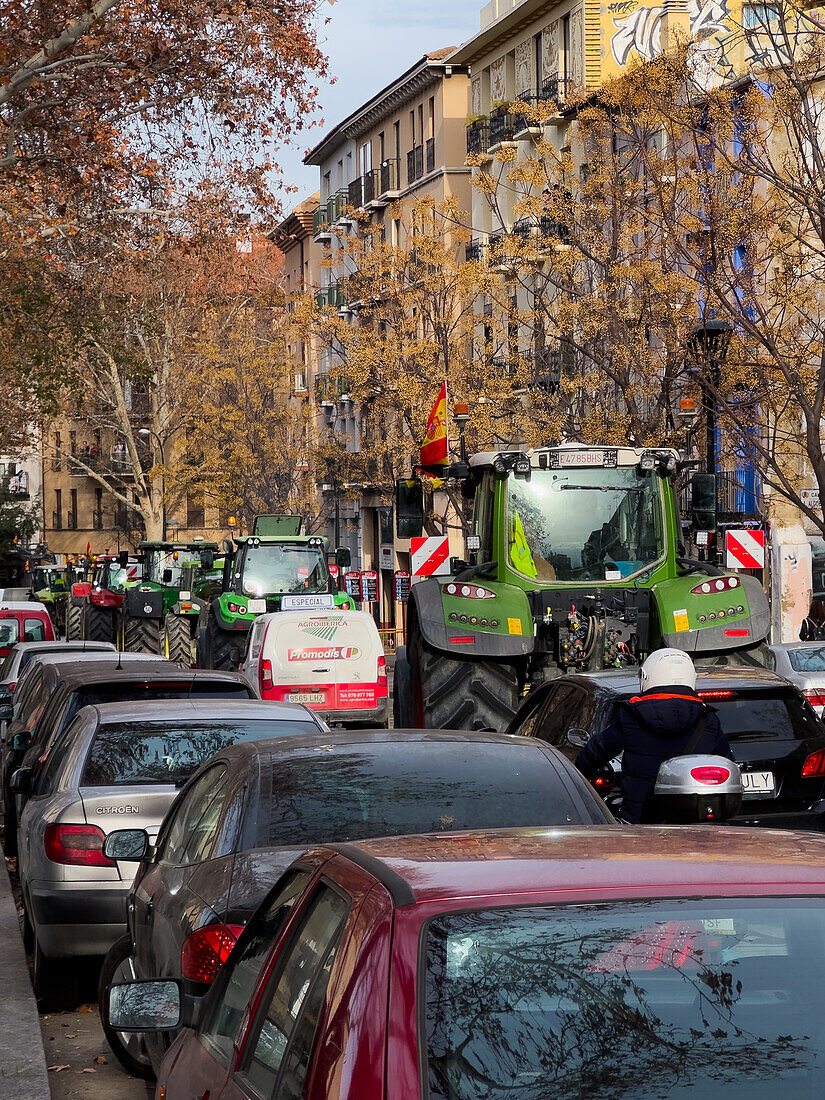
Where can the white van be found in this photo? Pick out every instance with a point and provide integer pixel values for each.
(331, 661)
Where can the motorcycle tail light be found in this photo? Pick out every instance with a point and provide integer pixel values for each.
(710, 774)
(814, 765)
(205, 951)
(76, 845)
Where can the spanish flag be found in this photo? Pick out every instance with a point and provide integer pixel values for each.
(434, 444)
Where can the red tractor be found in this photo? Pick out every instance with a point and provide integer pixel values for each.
(101, 598)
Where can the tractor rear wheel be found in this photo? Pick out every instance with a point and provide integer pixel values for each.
(141, 635)
(177, 641)
(98, 624)
(74, 622)
(463, 694)
(220, 647)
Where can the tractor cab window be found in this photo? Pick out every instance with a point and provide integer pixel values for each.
(161, 564)
(118, 577)
(584, 524)
(275, 569)
(483, 516)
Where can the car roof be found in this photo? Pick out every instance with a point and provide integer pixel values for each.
(64, 647)
(178, 709)
(22, 605)
(622, 681)
(677, 861)
(84, 672)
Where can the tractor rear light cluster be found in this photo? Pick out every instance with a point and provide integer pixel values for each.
(473, 620)
(715, 584)
(469, 591)
(237, 608)
(205, 951)
(814, 765)
(721, 614)
(76, 845)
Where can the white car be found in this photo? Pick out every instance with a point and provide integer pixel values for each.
(803, 663)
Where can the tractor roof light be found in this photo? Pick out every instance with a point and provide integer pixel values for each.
(316, 542)
(667, 464)
(647, 461)
(521, 466)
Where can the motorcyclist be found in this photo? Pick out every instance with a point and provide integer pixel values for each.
(652, 727)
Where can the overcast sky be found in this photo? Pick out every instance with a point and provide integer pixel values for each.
(369, 43)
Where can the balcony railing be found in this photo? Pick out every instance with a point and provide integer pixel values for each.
(553, 89)
(430, 155)
(521, 121)
(57, 521)
(331, 388)
(478, 136)
(355, 193)
(371, 185)
(336, 204)
(389, 177)
(97, 521)
(474, 251)
(415, 163)
(330, 296)
(71, 521)
(502, 125)
(320, 222)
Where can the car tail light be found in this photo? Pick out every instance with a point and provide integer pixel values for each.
(12, 685)
(76, 845)
(206, 950)
(711, 774)
(382, 676)
(716, 694)
(814, 765)
(815, 698)
(266, 676)
(715, 584)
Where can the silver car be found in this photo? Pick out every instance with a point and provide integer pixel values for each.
(115, 764)
(803, 663)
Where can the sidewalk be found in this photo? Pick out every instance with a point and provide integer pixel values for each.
(22, 1062)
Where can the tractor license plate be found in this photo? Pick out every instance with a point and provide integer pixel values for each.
(755, 784)
(257, 607)
(306, 697)
(318, 602)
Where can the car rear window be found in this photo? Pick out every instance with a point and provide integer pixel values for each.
(390, 789)
(659, 1000)
(124, 691)
(769, 715)
(9, 632)
(141, 752)
(807, 660)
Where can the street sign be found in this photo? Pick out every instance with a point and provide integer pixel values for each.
(386, 555)
(810, 497)
(430, 556)
(402, 585)
(369, 586)
(745, 549)
(352, 584)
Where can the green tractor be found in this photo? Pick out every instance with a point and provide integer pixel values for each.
(160, 613)
(275, 568)
(576, 562)
(51, 584)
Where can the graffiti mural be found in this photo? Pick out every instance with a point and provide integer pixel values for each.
(638, 29)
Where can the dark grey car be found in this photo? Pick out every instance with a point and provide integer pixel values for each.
(116, 763)
(245, 815)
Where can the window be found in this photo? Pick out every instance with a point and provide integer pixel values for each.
(98, 513)
(281, 1041)
(567, 67)
(185, 830)
(9, 632)
(396, 129)
(34, 630)
(57, 518)
(235, 982)
(194, 512)
(537, 63)
(679, 999)
(72, 520)
(807, 660)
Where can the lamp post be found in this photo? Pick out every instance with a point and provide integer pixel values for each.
(146, 432)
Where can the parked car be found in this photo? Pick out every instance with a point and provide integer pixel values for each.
(22, 653)
(775, 736)
(69, 686)
(246, 814)
(332, 661)
(113, 763)
(597, 963)
(803, 663)
(24, 621)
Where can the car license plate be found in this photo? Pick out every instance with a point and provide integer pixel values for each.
(306, 697)
(757, 783)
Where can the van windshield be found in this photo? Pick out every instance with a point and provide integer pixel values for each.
(584, 524)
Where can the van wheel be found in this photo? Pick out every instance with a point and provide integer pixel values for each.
(55, 981)
(129, 1047)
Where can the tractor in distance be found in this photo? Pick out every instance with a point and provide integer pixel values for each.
(101, 597)
(51, 585)
(160, 613)
(575, 562)
(274, 568)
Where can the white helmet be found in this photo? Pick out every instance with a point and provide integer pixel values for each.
(667, 667)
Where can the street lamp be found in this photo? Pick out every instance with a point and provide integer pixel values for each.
(146, 433)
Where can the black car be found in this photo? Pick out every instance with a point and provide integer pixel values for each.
(773, 731)
(68, 686)
(247, 813)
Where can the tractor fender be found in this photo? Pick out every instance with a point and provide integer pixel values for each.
(725, 635)
(427, 606)
(234, 626)
(143, 605)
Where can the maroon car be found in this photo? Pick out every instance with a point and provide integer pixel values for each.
(598, 963)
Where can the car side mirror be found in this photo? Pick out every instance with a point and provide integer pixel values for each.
(6, 712)
(703, 501)
(409, 508)
(144, 1006)
(21, 741)
(22, 781)
(228, 546)
(127, 845)
(343, 557)
(578, 738)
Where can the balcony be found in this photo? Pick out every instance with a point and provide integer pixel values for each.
(97, 520)
(89, 462)
(502, 125)
(552, 89)
(478, 135)
(429, 155)
(474, 251)
(372, 184)
(57, 521)
(330, 296)
(498, 251)
(330, 389)
(523, 123)
(389, 179)
(355, 193)
(555, 230)
(320, 223)
(415, 164)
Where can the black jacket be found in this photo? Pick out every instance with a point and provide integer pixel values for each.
(648, 730)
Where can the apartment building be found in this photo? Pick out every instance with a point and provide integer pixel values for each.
(405, 143)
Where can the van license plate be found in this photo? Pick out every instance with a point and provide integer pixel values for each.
(306, 697)
(756, 783)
